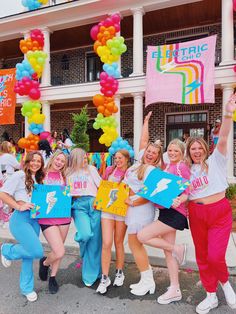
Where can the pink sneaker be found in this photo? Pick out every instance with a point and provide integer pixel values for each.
(172, 294)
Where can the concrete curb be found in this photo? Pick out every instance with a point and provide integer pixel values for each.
(154, 260)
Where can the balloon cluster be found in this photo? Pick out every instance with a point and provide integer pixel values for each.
(33, 4)
(27, 74)
(109, 48)
(118, 144)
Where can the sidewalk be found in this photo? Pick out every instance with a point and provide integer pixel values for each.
(156, 256)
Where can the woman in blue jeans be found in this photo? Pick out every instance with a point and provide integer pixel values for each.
(16, 192)
(84, 180)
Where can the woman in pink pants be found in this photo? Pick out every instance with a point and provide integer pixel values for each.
(210, 214)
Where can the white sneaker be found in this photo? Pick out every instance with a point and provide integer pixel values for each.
(104, 283)
(209, 303)
(119, 279)
(32, 296)
(5, 262)
(229, 295)
(146, 284)
(172, 294)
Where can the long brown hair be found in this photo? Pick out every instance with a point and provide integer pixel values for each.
(126, 154)
(203, 143)
(39, 175)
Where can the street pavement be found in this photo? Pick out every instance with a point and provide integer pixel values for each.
(74, 298)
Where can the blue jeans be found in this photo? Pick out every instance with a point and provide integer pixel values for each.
(26, 231)
(89, 236)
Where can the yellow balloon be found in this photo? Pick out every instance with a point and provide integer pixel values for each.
(234, 116)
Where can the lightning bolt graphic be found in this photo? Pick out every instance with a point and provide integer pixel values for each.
(194, 85)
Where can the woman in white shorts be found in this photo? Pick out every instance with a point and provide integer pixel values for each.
(113, 226)
(141, 212)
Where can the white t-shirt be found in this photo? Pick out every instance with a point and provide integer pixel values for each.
(9, 163)
(15, 186)
(84, 182)
(214, 181)
(131, 177)
(68, 142)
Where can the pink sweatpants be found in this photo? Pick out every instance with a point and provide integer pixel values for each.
(210, 227)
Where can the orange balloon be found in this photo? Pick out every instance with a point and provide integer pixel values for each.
(98, 100)
(101, 109)
(107, 113)
(110, 106)
(115, 109)
(96, 45)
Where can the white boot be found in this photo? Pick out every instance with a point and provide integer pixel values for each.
(209, 303)
(146, 284)
(229, 294)
(142, 274)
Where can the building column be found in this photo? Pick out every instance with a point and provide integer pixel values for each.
(46, 76)
(47, 112)
(117, 115)
(227, 28)
(138, 120)
(227, 92)
(137, 41)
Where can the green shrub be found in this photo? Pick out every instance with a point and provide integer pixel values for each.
(231, 191)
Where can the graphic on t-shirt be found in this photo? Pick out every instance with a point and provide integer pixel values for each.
(161, 186)
(51, 201)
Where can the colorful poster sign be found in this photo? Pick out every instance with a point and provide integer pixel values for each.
(181, 73)
(111, 198)
(7, 96)
(51, 201)
(162, 187)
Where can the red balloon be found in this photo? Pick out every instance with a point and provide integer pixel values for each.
(34, 93)
(94, 32)
(234, 5)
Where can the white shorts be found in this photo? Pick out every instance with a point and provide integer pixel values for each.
(112, 216)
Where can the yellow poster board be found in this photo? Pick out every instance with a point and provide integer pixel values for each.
(111, 198)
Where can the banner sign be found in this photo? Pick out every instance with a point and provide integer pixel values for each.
(161, 187)
(51, 201)
(181, 73)
(7, 96)
(111, 198)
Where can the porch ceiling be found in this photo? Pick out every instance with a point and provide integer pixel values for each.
(157, 21)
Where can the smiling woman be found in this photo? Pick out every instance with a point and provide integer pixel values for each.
(16, 192)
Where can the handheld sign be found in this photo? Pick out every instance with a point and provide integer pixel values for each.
(161, 187)
(51, 201)
(111, 198)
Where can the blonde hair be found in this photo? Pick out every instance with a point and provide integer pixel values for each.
(76, 161)
(205, 147)
(157, 163)
(181, 147)
(5, 148)
(51, 160)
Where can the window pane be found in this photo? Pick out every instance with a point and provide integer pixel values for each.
(170, 119)
(175, 133)
(178, 118)
(194, 117)
(186, 118)
(197, 132)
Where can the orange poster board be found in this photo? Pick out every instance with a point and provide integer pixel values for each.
(7, 96)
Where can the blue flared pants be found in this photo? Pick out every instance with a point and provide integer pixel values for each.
(26, 231)
(88, 225)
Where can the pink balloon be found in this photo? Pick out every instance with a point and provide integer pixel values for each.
(44, 135)
(235, 68)
(108, 22)
(115, 18)
(103, 76)
(94, 32)
(234, 5)
(117, 27)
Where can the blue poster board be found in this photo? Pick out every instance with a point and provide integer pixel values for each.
(161, 187)
(51, 201)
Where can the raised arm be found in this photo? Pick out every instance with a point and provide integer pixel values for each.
(145, 132)
(226, 125)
